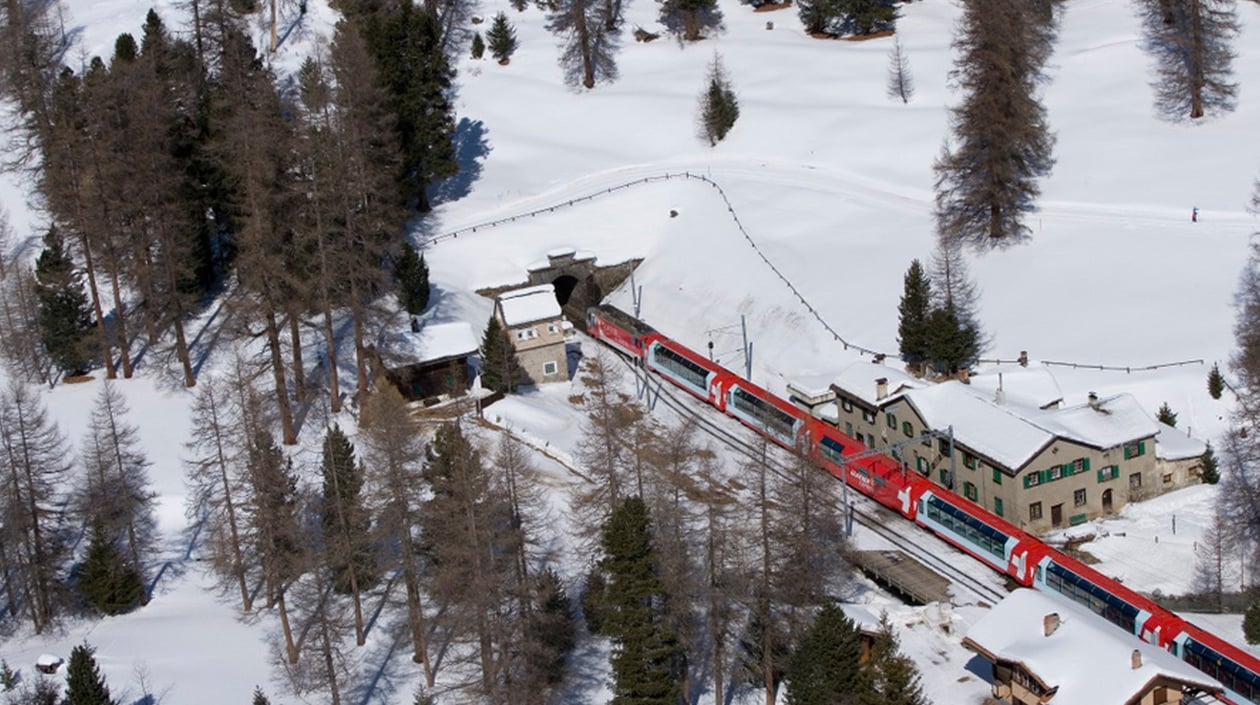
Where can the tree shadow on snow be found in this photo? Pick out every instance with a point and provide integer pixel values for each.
(471, 146)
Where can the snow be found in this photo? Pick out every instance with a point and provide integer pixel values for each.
(813, 389)
(833, 184)
(1106, 423)
(434, 341)
(1033, 386)
(534, 303)
(858, 381)
(995, 431)
(1173, 444)
(1086, 659)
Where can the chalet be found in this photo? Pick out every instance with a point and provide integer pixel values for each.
(430, 360)
(538, 331)
(1177, 459)
(1044, 650)
(1025, 457)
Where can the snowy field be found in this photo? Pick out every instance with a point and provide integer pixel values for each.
(833, 183)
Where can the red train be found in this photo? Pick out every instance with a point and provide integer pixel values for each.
(968, 526)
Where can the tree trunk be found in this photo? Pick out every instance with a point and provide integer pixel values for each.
(277, 371)
(290, 648)
(295, 342)
(120, 315)
(1196, 59)
(360, 351)
(107, 357)
(330, 341)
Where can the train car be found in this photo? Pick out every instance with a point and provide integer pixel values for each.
(985, 536)
(619, 329)
(1236, 669)
(702, 377)
(874, 477)
(766, 413)
(1125, 608)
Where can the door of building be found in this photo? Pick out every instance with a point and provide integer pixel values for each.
(1106, 501)
(1056, 515)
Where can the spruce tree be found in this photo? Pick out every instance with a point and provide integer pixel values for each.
(64, 316)
(951, 342)
(1209, 469)
(647, 658)
(1215, 382)
(8, 677)
(1192, 41)
(500, 369)
(913, 311)
(501, 38)
(1251, 623)
(478, 46)
(819, 16)
(411, 275)
(864, 17)
(824, 667)
(719, 108)
(259, 697)
(551, 627)
(689, 19)
(84, 683)
(107, 581)
(1166, 415)
(889, 677)
(345, 520)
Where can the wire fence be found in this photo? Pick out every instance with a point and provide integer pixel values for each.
(848, 344)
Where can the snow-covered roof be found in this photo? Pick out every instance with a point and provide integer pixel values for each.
(861, 616)
(1105, 423)
(1031, 386)
(533, 303)
(812, 388)
(1173, 444)
(434, 341)
(997, 431)
(1087, 659)
(48, 660)
(858, 380)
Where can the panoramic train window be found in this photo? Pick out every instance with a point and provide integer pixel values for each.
(1223, 669)
(781, 424)
(831, 450)
(965, 525)
(1112, 608)
(681, 367)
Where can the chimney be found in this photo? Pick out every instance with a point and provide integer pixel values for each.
(999, 397)
(1093, 400)
(881, 388)
(1050, 623)
(1023, 358)
(1135, 661)
(878, 359)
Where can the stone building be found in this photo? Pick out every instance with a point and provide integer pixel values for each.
(538, 331)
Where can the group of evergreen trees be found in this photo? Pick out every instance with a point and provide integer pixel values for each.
(848, 17)
(937, 328)
(47, 501)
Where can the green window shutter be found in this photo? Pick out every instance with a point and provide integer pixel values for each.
(892, 420)
(997, 506)
(1067, 469)
(1141, 447)
(944, 476)
(1026, 485)
(1126, 452)
(1087, 465)
(997, 476)
(1100, 476)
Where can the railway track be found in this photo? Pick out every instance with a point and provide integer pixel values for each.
(920, 545)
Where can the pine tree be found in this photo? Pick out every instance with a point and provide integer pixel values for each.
(1192, 42)
(346, 522)
(107, 581)
(1215, 382)
(1166, 415)
(819, 16)
(64, 317)
(889, 677)
(259, 697)
(478, 46)
(1209, 470)
(913, 312)
(719, 108)
(411, 275)
(690, 19)
(824, 666)
(589, 27)
(1251, 623)
(8, 677)
(865, 17)
(500, 369)
(647, 658)
(900, 81)
(986, 179)
(84, 683)
(951, 342)
(501, 38)
(552, 629)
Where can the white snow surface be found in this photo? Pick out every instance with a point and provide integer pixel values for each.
(434, 341)
(1088, 660)
(833, 183)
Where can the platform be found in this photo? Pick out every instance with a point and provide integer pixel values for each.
(904, 575)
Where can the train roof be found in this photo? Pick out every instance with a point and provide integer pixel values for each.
(1087, 659)
(624, 320)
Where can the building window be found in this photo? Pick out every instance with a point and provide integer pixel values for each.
(1054, 473)
(969, 491)
(997, 506)
(552, 328)
(870, 440)
(945, 476)
(942, 444)
(848, 428)
(1110, 472)
(997, 476)
(891, 419)
(1168, 479)
(907, 429)
(969, 460)
(1133, 450)
(1034, 511)
(1135, 480)
(1078, 498)
(868, 416)
(1080, 465)
(1032, 479)
(927, 439)
(846, 404)
(921, 465)
(526, 334)
(550, 368)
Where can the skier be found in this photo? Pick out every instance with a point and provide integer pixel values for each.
(1194, 215)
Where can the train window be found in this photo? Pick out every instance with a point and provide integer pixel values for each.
(1082, 591)
(963, 524)
(831, 450)
(681, 367)
(1034, 511)
(773, 420)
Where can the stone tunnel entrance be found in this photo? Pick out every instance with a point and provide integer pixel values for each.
(579, 282)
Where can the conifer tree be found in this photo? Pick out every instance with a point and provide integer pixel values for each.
(890, 677)
(589, 28)
(690, 19)
(107, 581)
(819, 16)
(719, 107)
(64, 318)
(346, 522)
(913, 311)
(411, 275)
(8, 677)
(84, 683)
(259, 697)
(1251, 623)
(501, 38)
(552, 630)
(900, 80)
(478, 46)
(824, 666)
(1209, 468)
(864, 17)
(1166, 415)
(1193, 45)
(500, 369)
(647, 659)
(1215, 382)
